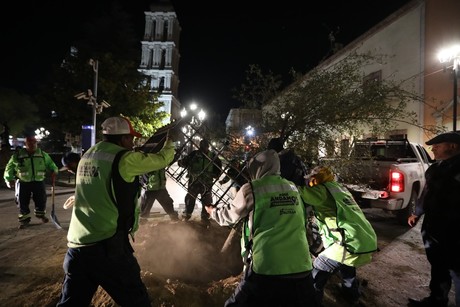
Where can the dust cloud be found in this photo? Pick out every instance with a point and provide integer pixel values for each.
(187, 251)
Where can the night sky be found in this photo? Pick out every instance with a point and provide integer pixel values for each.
(219, 39)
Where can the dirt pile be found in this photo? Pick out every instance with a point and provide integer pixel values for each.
(182, 266)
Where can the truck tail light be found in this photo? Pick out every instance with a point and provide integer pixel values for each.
(396, 181)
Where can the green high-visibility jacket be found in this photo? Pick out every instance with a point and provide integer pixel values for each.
(29, 167)
(154, 181)
(346, 233)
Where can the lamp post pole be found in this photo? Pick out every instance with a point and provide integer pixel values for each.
(454, 69)
(95, 64)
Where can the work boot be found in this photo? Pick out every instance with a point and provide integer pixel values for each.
(428, 301)
(44, 219)
(351, 294)
(186, 217)
(24, 221)
(145, 216)
(206, 222)
(174, 216)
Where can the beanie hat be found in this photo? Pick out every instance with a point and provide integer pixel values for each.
(118, 126)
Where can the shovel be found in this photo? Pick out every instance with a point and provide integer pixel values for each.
(53, 212)
(231, 236)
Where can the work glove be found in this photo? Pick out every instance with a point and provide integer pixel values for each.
(69, 202)
(318, 175)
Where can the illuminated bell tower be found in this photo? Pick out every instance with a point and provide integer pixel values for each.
(160, 55)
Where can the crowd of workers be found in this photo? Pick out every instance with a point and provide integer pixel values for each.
(272, 199)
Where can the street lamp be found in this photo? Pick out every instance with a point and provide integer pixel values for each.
(250, 131)
(95, 65)
(91, 96)
(446, 56)
(196, 119)
(41, 133)
(200, 115)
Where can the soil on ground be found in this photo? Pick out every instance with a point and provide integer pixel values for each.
(182, 265)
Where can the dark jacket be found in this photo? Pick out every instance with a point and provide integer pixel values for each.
(292, 167)
(202, 167)
(440, 201)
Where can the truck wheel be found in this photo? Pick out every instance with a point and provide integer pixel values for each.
(403, 214)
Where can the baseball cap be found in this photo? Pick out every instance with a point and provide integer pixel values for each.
(448, 137)
(118, 125)
(68, 158)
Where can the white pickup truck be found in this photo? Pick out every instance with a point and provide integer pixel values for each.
(387, 174)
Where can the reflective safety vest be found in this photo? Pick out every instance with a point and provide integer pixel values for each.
(277, 242)
(350, 226)
(203, 167)
(95, 215)
(154, 181)
(29, 167)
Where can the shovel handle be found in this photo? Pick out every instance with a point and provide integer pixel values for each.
(53, 184)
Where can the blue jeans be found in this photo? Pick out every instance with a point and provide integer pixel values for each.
(107, 265)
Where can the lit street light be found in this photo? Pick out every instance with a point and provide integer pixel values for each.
(248, 140)
(197, 118)
(200, 115)
(41, 133)
(191, 129)
(249, 131)
(446, 56)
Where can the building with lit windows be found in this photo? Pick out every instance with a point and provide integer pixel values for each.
(412, 37)
(160, 55)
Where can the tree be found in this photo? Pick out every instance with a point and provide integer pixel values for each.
(334, 101)
(109, 38)
(258, 88)
(18, 111)
(149, 120)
